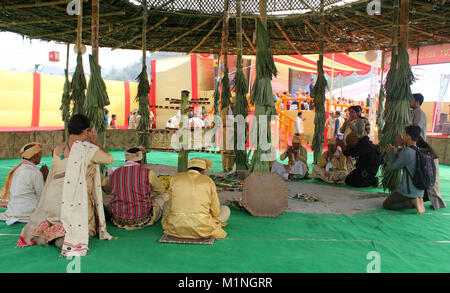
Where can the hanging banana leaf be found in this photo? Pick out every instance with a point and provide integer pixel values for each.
(319, 106)
(96, 98)
(397, 113)
(380, 120)
(142, 99)
(262, 98)
(240, 108)
(217, 100)
(226, 92)
(65, 101)
(78, 88)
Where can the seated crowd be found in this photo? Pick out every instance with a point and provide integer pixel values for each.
(64, 206)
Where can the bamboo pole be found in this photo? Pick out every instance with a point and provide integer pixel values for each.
(95, 29)
(144, 35)
(39, 4)
(79, 27)
(263, 12)
(181, 36)
(206, 37)
(342, 80)
(287, 38)
(161, 21)
(404, 19)
(332, 76)
(225, 33)
(239, 25)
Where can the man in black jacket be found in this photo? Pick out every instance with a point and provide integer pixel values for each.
(368, 160)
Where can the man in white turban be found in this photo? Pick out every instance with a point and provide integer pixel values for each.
(194, 210)
(23, 185)
(297, 168)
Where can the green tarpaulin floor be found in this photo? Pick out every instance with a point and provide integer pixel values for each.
(402, 241)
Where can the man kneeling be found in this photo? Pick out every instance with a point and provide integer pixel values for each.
(297, 168)
(407, 196)
(133, 205)
(332, 167)
(194, 209)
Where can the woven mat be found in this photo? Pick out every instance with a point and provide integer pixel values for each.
(170, 239)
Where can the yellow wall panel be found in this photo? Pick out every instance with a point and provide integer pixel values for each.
(116, 94)
(172, 76)
(16, 98)
(51, 93)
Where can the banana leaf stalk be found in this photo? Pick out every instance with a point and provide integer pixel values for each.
(240, 108)
(142, 99)
(65, 101)
(380, 120)
(96, 99)
(319, 105)
(262, 98)
(226, 91)
(397, 113)
(78, 88)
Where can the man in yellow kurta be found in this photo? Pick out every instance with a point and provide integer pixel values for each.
(297, 167)
(332, 167)
(194, 209)
(227, 147)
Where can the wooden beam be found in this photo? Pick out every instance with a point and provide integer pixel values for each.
(324, 37)
(225, 33)
(38, 4)
(249, 41)
(363, 26)
(206, 37)
(429, 34)
(85, 29)
(263, 12)
(144, 34)
(62, 19)
(79, 28)
(287, 38)
(181, 36)
(161, 21)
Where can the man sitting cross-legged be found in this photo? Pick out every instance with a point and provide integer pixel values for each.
(297, 167)
(332, 167)
(23, 186)
(194, 210)
(406, 196)
(134, 187)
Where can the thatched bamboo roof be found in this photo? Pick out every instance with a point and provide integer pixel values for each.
(181, 25)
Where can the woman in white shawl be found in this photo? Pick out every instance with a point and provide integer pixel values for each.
(71, 206)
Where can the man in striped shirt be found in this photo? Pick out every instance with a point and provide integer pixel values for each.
(139, 197)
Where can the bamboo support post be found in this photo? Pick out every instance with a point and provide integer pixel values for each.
(404, 19)
(181, 36)
(95, 29)
(79, 27)
(183, 155)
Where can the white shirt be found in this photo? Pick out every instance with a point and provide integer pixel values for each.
(26, 188)
(299, 125)
(196, 123)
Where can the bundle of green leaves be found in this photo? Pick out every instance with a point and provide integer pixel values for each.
(319, 105)
(397, 113)
(96, 98)
(78, 88)
(142, 99)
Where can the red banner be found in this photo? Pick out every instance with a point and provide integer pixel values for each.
(426, 55)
